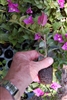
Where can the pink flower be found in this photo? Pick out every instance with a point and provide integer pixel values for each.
(29, 11)
(58, 37)
(8, 0)
(42, 20)
(64, 47)
(66, 35)
(38, 92)
(28, 20)
(37, 36)
(55, 86)
(12, 6)
(61, 3)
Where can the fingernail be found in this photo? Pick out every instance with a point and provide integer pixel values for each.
(50, 60)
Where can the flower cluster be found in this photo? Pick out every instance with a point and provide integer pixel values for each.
(59, 38)
(39, 92)
(42, 20)
(61, 3)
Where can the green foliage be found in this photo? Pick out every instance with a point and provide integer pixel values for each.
(13, 24)
(3, 2)
(34, 85)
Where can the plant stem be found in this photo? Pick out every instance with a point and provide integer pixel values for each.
(22, 26)
(45, 48)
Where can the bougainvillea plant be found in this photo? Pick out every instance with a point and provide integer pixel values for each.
(25, 22)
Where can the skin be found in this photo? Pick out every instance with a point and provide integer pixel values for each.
(23, 71)
(64, 97)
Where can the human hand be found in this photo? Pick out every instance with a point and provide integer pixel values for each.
(24, 69)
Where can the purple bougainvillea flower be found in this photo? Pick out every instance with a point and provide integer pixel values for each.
(58, 37)
(64, 47)
(42, 20)
(13, 7)
(61, 3)
(66, 35)
(29, 11)
(38, 92)
(55, 86)
(8, 0)
(37, 36)
(28, 20)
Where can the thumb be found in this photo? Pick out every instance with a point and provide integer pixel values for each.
(44, 63)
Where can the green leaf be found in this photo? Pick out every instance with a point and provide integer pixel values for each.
(3, 2)
(36, 1)
(34, 85)
(46, 30)
(25, 36)
(4, 62)
(39, 6)
(20, 29)
(3, 37)
(56, 25)
(0, 63)
(22, 18)
(63, 30)
(4, 72)
(29, 1)
(0, 72)
(14, 33)
(5, 26)
(55, 65)
(65, 8)
(58, 75)
(14, 17)
(14, 42)
(29, 89)
(42, 44)
(34, 26)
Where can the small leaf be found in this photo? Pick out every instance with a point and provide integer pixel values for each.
(57, 25)
(42, 44)
(22, 18)
(0, 63)
(25, 36)
(52, 48)
(34, 85)
(3, 37)
(4, 62)
(14, 17)
(0, 72)
(3, 2)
